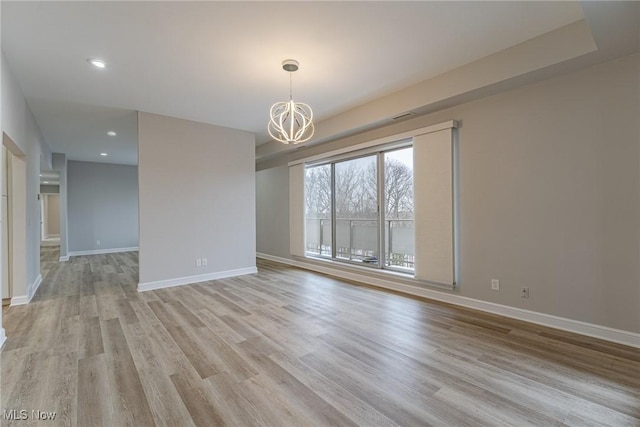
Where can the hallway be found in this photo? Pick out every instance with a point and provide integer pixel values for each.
(49, 258)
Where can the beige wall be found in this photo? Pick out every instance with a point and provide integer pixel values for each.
(549, 195)
(18, 226)
(3, 228)
(197, 198)
(53, 214)
(18, 123)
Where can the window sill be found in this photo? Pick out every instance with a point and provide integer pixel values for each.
(376, 274)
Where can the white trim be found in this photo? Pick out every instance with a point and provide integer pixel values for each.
(31, 291)
(102, 251)
(396, 144)
(64, 258)
(160, 284)
(3, 338)
(34, 286)
(387, 139)
(21, 300)
(589, 329)
(52, 236)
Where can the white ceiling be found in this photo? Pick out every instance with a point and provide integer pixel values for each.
(219, 62)
(81, 131)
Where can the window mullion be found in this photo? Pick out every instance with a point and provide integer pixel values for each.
(381, 212)
(333, 211)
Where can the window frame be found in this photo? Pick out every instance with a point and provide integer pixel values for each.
(383, 213)
(379, 152)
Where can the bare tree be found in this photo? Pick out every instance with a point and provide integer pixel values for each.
(356, 190)
(398, 189)
(318, 191)
(355, 195)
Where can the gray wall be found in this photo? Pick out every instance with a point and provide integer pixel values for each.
(102, 205)
(549, 195)
(197, 198)
(272, 196)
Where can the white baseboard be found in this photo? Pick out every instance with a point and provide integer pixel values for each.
(589, 329)
(160, 284)
(3, 338)
(19, 300)
(64, 258)
(34, 286)
(31, 291)
(102, 251)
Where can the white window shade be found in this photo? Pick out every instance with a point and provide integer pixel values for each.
(296, 210)
(434, 207)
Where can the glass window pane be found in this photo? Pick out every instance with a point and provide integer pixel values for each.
(318, 210)
(357, 226)
(398, 191)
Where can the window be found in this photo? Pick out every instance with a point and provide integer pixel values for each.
(365, 204)
(356, 209)
(342, 210)
(398, 196)
(317, 190)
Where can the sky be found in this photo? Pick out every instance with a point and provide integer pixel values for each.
(404, 155)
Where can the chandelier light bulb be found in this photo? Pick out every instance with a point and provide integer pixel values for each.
(290, 122)
(98, 63)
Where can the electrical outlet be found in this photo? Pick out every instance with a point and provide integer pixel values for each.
(204, 262)
(524, 293)
(198, 262)
(495, 284)
(97, 242)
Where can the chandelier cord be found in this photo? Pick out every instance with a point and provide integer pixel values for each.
(290, 86)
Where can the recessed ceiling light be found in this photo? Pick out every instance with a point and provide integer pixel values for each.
(98, 63)
(111, 133)
(40, 174)
(104, 154)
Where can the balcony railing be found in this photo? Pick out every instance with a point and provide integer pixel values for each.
(357, 240)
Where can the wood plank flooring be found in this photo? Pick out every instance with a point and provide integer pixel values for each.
(49, 258)
(288, 347)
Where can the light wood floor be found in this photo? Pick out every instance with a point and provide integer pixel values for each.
(49, 258)
(287, 347)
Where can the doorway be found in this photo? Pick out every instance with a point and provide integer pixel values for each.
(49, 221)
(14, 223)
(50, 218)
(4, 222)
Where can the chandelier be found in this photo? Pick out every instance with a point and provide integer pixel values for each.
(290, 122)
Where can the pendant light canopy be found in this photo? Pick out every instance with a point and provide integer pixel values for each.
(290, 122)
